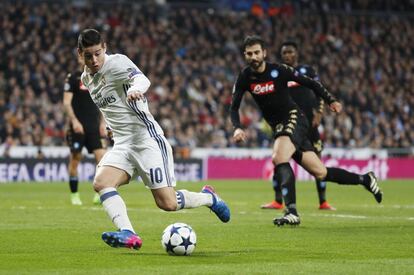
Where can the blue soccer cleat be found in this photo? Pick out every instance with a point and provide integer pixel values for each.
(123, 238)
(219, 207)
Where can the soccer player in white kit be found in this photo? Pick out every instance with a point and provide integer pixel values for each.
(117, 87)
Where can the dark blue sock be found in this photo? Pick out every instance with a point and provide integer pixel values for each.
(73, 184)
(321, 187)
(277, 188)
(286, 178)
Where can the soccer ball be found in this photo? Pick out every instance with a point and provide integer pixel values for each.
(179, 239)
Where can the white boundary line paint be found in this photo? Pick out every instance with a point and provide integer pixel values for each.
(358, 217)
(341, 216)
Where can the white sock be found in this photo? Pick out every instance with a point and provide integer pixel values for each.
(115, 207)
(187, 199)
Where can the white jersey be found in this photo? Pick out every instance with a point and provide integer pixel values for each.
(131, 122)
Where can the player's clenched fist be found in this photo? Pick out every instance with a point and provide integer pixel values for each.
(335, 107)
(239, 135)
(135, 96)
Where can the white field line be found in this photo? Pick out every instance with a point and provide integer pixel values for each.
(395, 206)
(155, 209)
(89, 208)
(359, 217)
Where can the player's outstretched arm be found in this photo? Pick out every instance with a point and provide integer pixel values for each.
(237, 96)
(310, 83)
(139, 87)
(73, 120)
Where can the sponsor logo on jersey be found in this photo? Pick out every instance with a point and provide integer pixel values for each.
(262, 88)
(102, 102)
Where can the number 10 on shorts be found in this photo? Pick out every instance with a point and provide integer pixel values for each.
(156, 175)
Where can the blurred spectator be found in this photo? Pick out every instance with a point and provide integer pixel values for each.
(192, 55)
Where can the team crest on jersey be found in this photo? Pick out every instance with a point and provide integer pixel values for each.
(274, 73)
(262, 88)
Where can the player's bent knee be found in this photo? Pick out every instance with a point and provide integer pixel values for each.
(279, 159)
(97, 187)
(98, 184)
(320, 174)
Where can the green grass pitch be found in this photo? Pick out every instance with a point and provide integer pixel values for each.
(41, 233)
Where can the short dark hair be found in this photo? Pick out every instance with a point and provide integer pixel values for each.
(88, 38)
(289, 43)
(253, 40)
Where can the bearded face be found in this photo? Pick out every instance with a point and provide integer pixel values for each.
(255, 56)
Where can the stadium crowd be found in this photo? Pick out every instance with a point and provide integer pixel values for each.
(192, 57)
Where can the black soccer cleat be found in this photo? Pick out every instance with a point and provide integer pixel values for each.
(373, 187)
(288, 218)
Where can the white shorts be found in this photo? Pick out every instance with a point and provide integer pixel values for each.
(152, 160)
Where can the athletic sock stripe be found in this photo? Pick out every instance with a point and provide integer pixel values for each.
(108, 195)
(153, 133)
(180, 199)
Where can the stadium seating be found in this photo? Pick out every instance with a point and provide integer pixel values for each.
(192, 56)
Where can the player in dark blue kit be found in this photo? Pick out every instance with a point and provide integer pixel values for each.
(312, 106)
(85, 129)
(268, 85)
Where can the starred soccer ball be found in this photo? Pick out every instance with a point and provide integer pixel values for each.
(179, 239)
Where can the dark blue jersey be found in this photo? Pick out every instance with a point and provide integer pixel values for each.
(304, 97)
(84, 108)
(270, 91)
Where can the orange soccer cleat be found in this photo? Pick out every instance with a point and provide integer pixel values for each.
(326, 206)
(272, 205)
